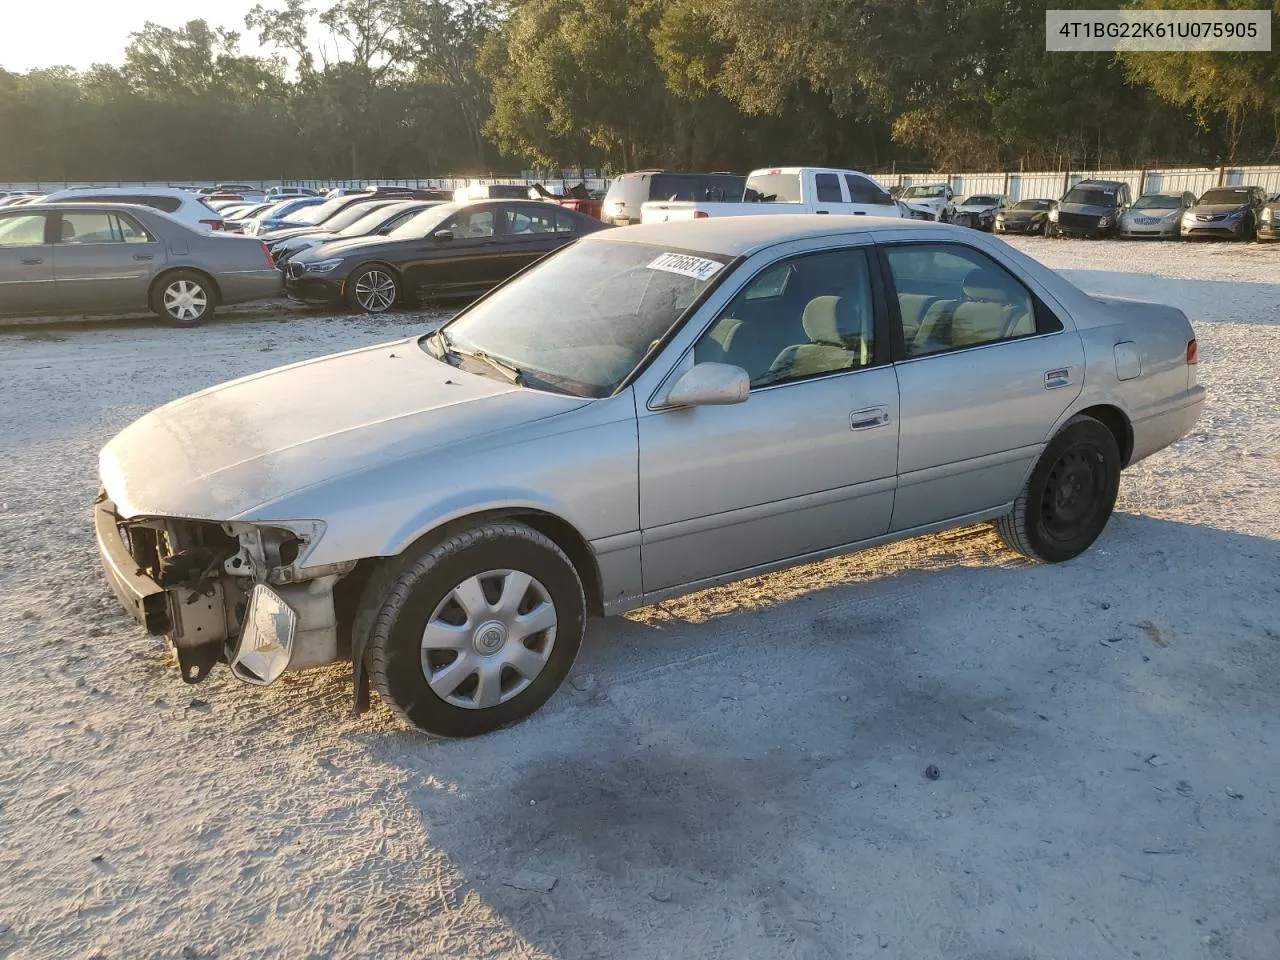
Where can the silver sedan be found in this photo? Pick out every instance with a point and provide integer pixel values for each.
(1156, 215)
(122, 258)
(649, 412)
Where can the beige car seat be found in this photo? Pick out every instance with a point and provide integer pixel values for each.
(840, 338)
(992, 308)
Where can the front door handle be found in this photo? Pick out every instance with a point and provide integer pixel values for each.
(143, 256)
(822, 211)
(34, 262)
(1057, 378)
(868, 418)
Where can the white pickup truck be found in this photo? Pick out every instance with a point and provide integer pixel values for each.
(787, 190)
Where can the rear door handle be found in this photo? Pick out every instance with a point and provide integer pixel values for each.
(1057, 378)
(143, 256)
(35, 262)
(822, 211)
(869, 418)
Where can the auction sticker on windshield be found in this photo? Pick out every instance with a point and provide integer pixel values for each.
(699, 268)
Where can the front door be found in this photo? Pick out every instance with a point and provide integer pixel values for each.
(807, 462)
(463, 260)
(26, 264)
(987, 371)
(103, 261)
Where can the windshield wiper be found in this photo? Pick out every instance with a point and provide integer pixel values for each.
(504, 367)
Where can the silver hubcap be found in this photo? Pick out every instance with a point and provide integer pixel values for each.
(184, 300)
(488, 639)
(376, 291)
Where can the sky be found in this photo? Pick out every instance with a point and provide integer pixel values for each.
(79, 33)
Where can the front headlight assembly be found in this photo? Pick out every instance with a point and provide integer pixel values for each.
(1053, 215)
(323, 266)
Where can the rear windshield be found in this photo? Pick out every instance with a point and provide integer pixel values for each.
(1092, 196)
(1226, 195)
(773, 188)
(626, 194)
(696, 187)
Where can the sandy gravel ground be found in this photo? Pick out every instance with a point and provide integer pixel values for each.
(736, 774)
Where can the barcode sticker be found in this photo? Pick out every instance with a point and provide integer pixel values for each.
(699, 268)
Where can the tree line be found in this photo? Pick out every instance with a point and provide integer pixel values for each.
(424, 88)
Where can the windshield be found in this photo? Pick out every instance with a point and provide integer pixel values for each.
(916, 193)
(317, 214)
(1091, 196)
(1033, 205)
(773, 188)
(350, 215)
(373, 219)
(983, 201)
(423, 223)
(1226, 195)
(1158, 201)
(584, 318)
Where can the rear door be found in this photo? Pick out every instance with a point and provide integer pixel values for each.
(985, 369)
(26, 263)
(103, 260)
(528, 233)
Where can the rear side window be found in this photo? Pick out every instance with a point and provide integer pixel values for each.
(862, 190)
(951, 296)
(564, 222)
(828, 185)
(626, 195)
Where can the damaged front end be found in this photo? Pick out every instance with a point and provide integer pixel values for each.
(233, 592)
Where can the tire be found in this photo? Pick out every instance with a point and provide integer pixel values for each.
(184, 298)
(455, 608)
(1069, 496)
(373, 289)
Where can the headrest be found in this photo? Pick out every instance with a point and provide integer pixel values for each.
(834, 320)
(983, 283)
(68, 231)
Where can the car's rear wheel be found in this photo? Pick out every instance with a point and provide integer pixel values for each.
(477, 631)
(1069, 496)
(184, 298)
(373, 289)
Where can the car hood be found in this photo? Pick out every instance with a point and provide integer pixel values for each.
(976, 207)
(1217, 209)
(349, 246)
(1024, 214)
(1087, 209)
(229, 452)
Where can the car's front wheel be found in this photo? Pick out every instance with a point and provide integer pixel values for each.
(184, 298)
(1069, 496)
(477, 631)
(373, 289)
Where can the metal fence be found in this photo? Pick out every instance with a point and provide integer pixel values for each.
(1030, 186)
(1015, 186)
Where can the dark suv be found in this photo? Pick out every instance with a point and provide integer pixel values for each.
(627, 193)
(1091, 208)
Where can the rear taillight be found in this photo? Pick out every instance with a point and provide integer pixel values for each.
(1192, 352)
(212, 224)
(700, 214)
(266, 252)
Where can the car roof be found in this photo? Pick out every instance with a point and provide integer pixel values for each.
(87, 205)
(742, 236)
(124, 192)
(1109, 183)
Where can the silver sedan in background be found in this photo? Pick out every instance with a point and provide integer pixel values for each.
(647, 412)
(1156, 215)
(125, 258)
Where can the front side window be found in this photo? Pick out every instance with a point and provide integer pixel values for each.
(473, 224)
(951, 297)
(828, 186)
(22, 231)
(565, 222)
(804, 317)
(862, 190)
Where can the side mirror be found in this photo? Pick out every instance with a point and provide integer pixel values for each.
(441, 235)
(709, 384)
